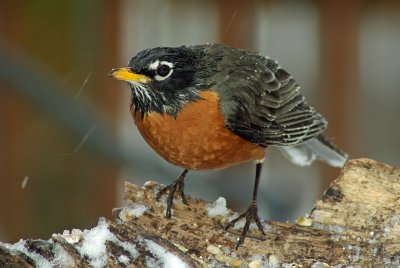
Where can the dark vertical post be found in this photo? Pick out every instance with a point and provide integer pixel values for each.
(339, 33)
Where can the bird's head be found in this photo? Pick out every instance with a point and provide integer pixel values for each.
(162, 79)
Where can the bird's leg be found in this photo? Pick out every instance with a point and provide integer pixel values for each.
(179, 184)
(251, 213)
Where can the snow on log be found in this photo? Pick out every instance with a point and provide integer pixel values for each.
(356, 223)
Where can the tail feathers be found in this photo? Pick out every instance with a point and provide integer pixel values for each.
(316, 148)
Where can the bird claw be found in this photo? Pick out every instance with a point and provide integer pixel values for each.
(178, 185)
(251, 214)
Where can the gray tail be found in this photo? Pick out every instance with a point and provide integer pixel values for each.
(316, 148)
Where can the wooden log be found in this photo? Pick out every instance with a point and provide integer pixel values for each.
(355, 224)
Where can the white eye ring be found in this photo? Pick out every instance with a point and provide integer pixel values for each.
(156, 64)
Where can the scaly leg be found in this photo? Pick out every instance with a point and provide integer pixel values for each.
(251, 213)
(179, 184)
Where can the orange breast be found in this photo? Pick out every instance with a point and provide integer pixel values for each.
(197, 138)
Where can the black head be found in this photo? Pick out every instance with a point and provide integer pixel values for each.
(162, 79)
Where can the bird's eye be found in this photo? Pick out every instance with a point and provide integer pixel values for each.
(163, 70)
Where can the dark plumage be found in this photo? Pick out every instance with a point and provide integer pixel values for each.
(261, 101)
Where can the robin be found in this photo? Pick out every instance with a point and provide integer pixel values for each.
(211, 106)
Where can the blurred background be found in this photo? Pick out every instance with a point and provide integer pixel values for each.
(67, 142)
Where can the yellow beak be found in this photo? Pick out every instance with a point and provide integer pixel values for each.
(125, 74)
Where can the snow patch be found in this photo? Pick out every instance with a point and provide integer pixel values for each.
(62, 258)
(39, 260)
(135, 211)
(72, 237)
(332, 228)
(319, 264)
(273, 261)
(123, 259)
(167, 260)
(218, 208)
(94, 244)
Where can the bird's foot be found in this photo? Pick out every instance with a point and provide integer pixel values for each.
(178, 186)
(251, 214)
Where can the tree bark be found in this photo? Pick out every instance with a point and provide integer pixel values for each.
(356, 223)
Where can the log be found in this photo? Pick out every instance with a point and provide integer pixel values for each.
(356, 223)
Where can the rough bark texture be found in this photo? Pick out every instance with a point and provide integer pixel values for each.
(356, 223)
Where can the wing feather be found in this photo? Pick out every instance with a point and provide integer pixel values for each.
(264, 104)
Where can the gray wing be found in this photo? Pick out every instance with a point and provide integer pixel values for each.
(262, 103)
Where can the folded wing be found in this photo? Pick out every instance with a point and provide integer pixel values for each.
(263, 104)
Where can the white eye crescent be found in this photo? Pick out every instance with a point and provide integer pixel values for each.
(154, 65)
(163, 69)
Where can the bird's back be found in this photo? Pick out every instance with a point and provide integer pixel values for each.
(262, 103)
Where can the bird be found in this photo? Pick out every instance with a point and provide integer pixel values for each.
(211, 106)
